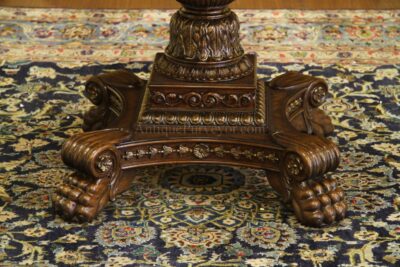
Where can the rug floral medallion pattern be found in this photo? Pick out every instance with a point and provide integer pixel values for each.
(196, 215)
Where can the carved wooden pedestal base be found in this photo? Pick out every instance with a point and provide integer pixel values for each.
(203, 104)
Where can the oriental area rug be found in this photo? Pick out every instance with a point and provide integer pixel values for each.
(197, 215)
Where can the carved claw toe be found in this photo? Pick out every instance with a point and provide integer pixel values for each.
(318, 202)
(81, 199)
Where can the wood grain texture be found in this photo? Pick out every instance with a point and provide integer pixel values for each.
(125, 133)
(165, 4)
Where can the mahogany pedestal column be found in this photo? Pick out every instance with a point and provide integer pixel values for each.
(203, 104)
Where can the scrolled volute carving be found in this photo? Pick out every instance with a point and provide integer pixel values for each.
(172, 99)
(203, 99)
(318, 94)
(193, 99)
(159, 98)
(96, 159)
(304, 94)
(308, 156)
(106, 92)
(96, 91)
(231, 100)
(211, 99)
(246, 100)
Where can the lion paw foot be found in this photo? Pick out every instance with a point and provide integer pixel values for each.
(319, 202)
(81, 199)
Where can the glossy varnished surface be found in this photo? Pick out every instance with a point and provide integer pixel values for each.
(240, 121)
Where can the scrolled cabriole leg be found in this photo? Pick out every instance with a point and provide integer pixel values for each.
(300, 126)
(82, 196)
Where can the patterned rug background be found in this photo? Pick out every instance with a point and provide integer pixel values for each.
(194, 215)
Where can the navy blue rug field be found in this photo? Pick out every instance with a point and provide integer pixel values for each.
(196, 215)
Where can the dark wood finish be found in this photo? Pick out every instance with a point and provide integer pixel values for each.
(163, 4)
(215, 111)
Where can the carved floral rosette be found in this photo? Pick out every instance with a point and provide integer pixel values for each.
(88, 154)
(202, 151)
